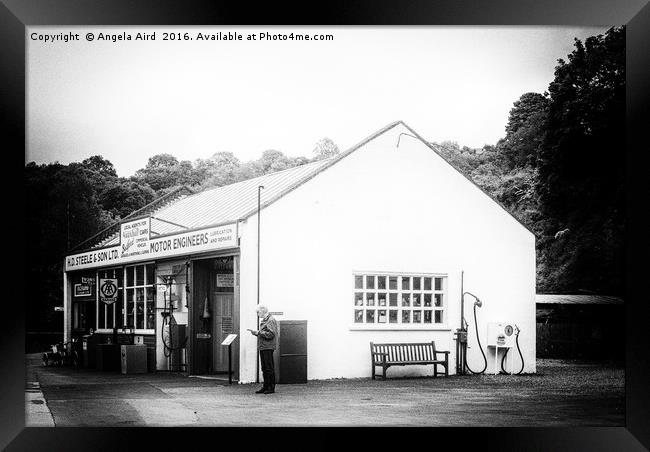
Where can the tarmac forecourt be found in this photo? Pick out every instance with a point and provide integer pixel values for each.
(562, 393)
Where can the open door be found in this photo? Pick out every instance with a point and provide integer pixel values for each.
(223, 326)
(201, 318)
(214, 315)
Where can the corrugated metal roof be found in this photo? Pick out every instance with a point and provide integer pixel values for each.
(239, 200)
(223, 204)
(230, 202)
(576, 299)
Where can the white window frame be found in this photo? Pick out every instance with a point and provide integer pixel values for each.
(146, 286)
(98, 303)
(421, 326)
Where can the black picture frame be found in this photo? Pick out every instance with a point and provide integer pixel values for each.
(15, 15)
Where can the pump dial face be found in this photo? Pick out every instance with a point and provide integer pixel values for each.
(508, 330)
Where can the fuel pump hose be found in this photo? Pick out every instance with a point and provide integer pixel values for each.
(167, 347)
(503, 370)
(479, 346)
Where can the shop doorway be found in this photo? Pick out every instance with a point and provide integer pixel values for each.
(214, 315)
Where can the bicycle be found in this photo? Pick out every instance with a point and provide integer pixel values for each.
(62, 354)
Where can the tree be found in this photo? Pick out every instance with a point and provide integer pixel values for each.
(100, 166)
(124, 197)
(525, 130)
(220, 169)
(325, 148)
(581, 171)
(272, 161)
(62, 209)
(164, 171)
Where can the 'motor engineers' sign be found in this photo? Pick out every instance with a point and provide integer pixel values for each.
(190, 242)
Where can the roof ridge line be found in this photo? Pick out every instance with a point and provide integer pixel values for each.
(333, 161)
(466, 176)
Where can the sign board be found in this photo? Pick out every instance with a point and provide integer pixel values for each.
(229, 340)
(83, 290)
(203, 335)
(187, 242)
(226, 324)
(134, 237)
(225, 280)
(108, 290)
(58, 308)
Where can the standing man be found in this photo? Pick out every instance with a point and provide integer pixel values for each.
(266, 342)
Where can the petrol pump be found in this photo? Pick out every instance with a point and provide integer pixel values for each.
(174, 342)
(499, 336)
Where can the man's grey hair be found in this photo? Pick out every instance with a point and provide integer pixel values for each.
(262, 308)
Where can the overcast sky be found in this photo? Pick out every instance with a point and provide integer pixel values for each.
(129, 100)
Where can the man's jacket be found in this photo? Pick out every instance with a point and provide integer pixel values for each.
(267, 337)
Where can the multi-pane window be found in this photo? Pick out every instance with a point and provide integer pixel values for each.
(110, 315)
(399, 299)
(135, 301)
(140, 291)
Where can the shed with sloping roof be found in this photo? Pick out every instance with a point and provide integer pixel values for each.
(580, 326)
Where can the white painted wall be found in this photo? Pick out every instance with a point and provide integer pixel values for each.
(385, 209)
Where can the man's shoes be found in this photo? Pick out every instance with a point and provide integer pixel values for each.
(261, 391)
(269, 391)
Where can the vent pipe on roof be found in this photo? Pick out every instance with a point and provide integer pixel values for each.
(404, 133)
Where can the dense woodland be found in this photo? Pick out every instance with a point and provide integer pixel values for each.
(559, 169)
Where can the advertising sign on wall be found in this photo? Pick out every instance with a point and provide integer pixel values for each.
(134, 237)
(83, 290)
(108, 290)
(188, 242)
(86, 288)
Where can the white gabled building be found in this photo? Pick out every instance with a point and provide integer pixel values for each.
(371, 245)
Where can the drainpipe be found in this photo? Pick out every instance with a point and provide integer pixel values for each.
(257, 355)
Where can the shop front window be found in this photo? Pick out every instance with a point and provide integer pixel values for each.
(126, 297)
(414, 300)
(109, 300)
(139, 297)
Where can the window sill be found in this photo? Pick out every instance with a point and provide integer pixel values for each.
(398, 327)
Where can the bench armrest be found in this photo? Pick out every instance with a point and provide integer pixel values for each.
(379, 357)
(439, 351)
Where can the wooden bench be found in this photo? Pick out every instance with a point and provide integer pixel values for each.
(386, 355)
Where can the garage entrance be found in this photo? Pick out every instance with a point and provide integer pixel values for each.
(215, 315)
